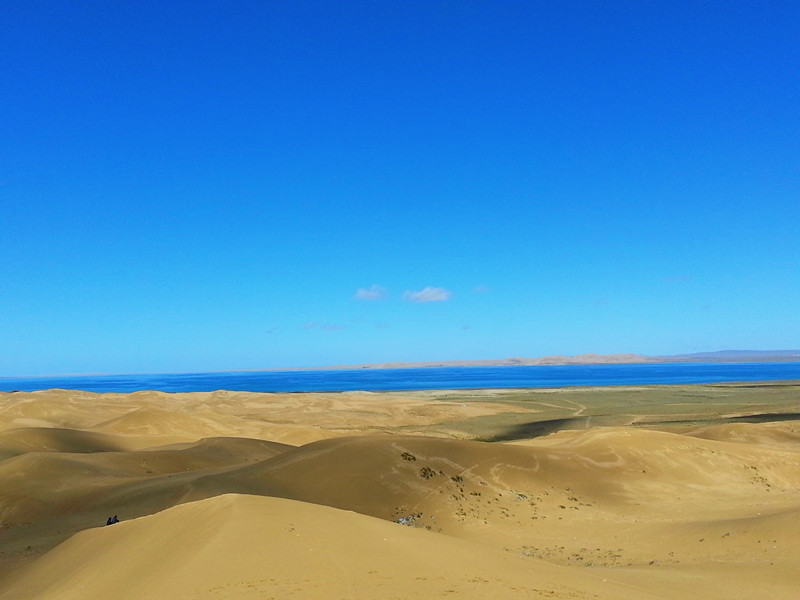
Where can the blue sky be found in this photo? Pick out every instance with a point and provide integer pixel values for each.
(192, 186)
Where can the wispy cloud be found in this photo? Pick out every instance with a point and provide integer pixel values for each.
(481, 289)
(429, 294)
(372, 294)
(325, 327)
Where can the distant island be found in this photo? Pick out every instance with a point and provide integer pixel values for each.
(722, 356)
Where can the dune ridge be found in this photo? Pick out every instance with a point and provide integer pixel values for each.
(601, 511)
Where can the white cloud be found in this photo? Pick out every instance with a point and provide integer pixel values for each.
(374, 293)
(429, 294)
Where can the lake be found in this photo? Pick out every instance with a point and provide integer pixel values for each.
(377, 380)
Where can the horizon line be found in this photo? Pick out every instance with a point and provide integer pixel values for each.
(510, 362)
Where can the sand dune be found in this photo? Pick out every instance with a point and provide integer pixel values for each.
(785, 436)
(246, 546)
(702, 512)
(14, 442)
(48, 485)
(617, 467)
(288, 418)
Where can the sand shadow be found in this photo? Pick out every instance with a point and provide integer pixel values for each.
(534, 429)
(717, 421)
(765, 418)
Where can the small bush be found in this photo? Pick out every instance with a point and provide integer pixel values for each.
(427, 473)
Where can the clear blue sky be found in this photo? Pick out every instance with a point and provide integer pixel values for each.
(242, 185)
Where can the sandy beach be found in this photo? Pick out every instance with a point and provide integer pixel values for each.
(636, 492)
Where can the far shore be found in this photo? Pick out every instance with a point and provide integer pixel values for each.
(581, 359)
(722, 357)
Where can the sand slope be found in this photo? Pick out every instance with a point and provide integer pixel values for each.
(776, 435)
(255, 547)
(703, 512)
(14, 442)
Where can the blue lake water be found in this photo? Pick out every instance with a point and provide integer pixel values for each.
(417, 379)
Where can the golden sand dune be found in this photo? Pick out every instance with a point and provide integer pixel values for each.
(617, 467)
(246, 546)
(14, 442)
(47, 485)
(785, 436)
(289, 418)
(702, 512)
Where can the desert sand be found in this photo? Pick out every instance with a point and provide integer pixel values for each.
(646, 492)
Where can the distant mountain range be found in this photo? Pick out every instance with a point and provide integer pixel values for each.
(722, 356)
(735, 356)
